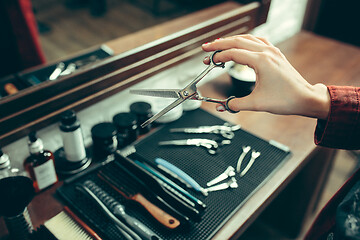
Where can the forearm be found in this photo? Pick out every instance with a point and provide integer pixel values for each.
(342, 127)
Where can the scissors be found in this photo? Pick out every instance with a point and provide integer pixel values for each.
(187, 93)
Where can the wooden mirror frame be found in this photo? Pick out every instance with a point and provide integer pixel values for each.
(37, 107)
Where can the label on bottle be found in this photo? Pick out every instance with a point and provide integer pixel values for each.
(74, 145)
(45, 174)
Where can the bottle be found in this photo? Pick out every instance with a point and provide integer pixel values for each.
(126, 125)
(40, 164)
(104, 136)
(73, 141)
(4, 165)
(143, 112)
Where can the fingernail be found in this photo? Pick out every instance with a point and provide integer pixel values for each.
(206, 43)
(206, 58)
(220, 108)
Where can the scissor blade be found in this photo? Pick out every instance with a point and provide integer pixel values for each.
(167, 93)
(162, 112)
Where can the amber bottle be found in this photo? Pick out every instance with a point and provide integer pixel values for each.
(40, 164)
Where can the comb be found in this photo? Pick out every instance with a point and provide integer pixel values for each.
(131, 193)
(66, 225)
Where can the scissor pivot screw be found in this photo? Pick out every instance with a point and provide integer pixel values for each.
(186, 93)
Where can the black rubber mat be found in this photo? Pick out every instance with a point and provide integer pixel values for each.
(196, 162)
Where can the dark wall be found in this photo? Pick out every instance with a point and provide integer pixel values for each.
(339, 20)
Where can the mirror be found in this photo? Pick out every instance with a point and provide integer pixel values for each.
(136, 56)
(71, 26)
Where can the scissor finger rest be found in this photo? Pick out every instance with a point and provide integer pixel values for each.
(224, 102)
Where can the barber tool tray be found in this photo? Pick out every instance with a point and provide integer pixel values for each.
(182, 181)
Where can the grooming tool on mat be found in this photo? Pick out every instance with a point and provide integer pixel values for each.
(134, 195)
(66, 225)
(210, 145)
(254, 155)
(227, 130)
(178, 201)
(123, 229)
(197, 202)
(187, 93)
(222, 186)
(229, 172)
(119, 211)
(180, 174)
(245, 150)
(147, 184)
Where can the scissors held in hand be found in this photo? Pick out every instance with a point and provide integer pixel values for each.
(181, 95)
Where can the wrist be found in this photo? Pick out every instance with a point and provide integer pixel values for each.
(319, 102)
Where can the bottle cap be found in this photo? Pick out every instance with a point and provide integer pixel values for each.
(103, 131)
(69, 122)
(141, 108)
(125, 120)
(35, 144)
(68, 117)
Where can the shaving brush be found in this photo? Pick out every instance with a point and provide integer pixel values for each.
(16, 193)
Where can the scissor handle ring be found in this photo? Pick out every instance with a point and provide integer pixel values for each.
(220, 64)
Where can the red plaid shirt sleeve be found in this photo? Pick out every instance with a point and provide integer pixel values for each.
(342, 128)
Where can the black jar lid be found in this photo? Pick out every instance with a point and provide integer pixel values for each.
(68, 117)
(125, 120)
(69, 121)
(140, 108)
(103, 131)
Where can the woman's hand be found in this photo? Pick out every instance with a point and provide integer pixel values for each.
(279, 88)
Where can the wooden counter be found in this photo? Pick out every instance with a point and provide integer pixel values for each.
(301, 178)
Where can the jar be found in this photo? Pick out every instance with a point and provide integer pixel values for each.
(104, 136)
(126, 125)
(143, 112)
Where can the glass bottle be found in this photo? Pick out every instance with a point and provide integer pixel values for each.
(40, 164)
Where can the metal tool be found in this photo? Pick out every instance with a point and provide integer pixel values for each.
(226, 130)
(254, 155)
(187, 93)
(86, 61)
(56, 73)
(69, 69)
(245, 150)
(210, 145)
(229, 172)
(232, 183)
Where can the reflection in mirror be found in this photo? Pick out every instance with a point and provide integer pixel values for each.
(74, 25)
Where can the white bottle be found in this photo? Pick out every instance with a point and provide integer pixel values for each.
(71, 133)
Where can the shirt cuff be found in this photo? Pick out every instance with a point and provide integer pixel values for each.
(341, 129)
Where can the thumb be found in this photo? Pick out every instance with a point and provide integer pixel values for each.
(238, 104)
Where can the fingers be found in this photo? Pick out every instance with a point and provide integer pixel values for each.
(247, 42)
(240, 56)
(243, 49)
(239, 104)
